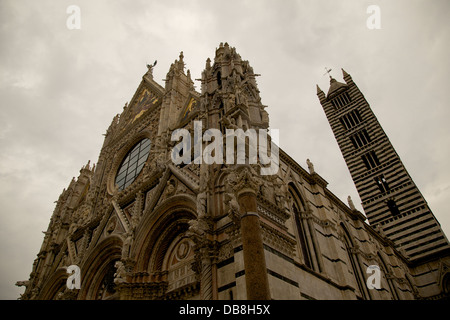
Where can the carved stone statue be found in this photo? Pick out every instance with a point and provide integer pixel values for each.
(150, 68)
(197, 227)
(231, 101)
(350, 203)
(229, 123)
(170, 187)
(281, 193)
(310, 166)
(232, 206)
(119, 276)
(129, 238)
(379, 230)
(200, 225)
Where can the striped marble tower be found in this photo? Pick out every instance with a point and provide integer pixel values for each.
(392, 202)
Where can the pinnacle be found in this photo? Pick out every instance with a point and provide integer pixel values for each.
(318, 89)
(344, 73)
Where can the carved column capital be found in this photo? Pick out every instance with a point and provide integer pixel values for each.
(242, 178)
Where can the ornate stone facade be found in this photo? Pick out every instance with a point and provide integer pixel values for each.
(140, 227)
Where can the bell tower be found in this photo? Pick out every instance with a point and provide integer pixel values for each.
(392, 202)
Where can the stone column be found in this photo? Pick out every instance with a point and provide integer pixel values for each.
(206, 275)
(257, 282)
(204, 253)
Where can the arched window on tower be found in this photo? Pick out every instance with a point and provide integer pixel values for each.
(393, 207)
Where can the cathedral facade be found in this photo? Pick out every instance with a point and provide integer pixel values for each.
(138, 226)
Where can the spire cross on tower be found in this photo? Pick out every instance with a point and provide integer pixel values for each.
(328, 71)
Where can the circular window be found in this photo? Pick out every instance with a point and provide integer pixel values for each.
(132, 164)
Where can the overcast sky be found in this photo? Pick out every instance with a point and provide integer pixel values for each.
(60, 89)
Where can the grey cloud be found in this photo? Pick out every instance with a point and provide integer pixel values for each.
(61, 88)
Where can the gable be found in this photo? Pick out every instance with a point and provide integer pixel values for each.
(146, 98)
(192, 105)
(144, 101)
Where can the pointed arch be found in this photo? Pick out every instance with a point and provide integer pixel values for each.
(159, 228)
(297, 209)
(391, 284)
(219, 79)
(161, 233)
(305, 229)
(54, 285)
(445, 285)
(354, 262)
(97, 268)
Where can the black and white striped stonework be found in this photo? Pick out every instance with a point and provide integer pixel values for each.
(389, 196)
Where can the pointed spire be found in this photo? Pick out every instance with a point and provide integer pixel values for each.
(347, 77)
(344, 73)
(319, 91)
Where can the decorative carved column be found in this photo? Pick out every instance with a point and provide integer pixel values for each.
(204, 247)
(204, 256)
(205, 260)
